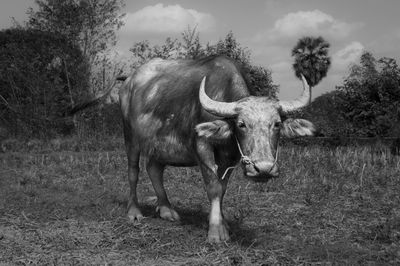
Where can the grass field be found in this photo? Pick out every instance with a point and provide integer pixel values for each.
(330, 206)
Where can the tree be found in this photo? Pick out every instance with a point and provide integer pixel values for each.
(41, 74)
(191, 45)
(188, 48)
(367, 104)
(259, 78)
(311, 59)
(372, 97)
(89, 24)
(326, 113)
(260, 81)
(231, 48)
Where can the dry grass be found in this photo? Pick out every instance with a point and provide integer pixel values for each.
(330, 206)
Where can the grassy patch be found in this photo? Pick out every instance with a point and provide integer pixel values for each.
(339, 206)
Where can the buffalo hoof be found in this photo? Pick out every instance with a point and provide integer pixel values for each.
(218, 233)
(167, 213)
(135, 215)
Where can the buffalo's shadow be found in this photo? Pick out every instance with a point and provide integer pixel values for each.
(239, 233)
(196, 216)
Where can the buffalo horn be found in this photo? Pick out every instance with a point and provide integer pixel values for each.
(217, 108)
(302, 101)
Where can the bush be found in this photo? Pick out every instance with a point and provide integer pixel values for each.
(395, 147)
(41, 75)
(100, 121)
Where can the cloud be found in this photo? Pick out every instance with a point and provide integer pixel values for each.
(275, 43)
(169, 18)
(283, 74)
(316, 22)
(349, 54)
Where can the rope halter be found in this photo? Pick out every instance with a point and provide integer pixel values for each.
(244, 159)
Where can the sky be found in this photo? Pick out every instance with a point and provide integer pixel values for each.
(269, 29)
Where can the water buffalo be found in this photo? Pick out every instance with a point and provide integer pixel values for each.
(200, 112)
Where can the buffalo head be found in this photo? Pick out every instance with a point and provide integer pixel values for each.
(256, 124)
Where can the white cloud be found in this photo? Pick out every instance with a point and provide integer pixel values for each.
(169, 18)
(349, 54)
(274, 44)
(312, 22)
(283, 74)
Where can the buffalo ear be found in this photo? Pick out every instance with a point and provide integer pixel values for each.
(297, 127)
(214, 131)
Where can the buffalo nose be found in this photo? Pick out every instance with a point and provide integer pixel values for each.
(264, 167)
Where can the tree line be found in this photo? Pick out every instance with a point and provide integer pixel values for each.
(367, 104)
(52, 61)
(190, 47)
(61, 56)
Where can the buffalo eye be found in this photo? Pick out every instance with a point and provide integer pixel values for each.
(277, 125)
(241, 124)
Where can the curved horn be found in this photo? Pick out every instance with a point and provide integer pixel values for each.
(214, 107)
(303, 100)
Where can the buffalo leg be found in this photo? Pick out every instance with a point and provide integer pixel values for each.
(134, 212)
(215, 187)
(155, 171)
(218, 228)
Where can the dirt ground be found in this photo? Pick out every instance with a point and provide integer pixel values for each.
(330, 206)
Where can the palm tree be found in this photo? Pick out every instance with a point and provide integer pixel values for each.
(311, 59)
